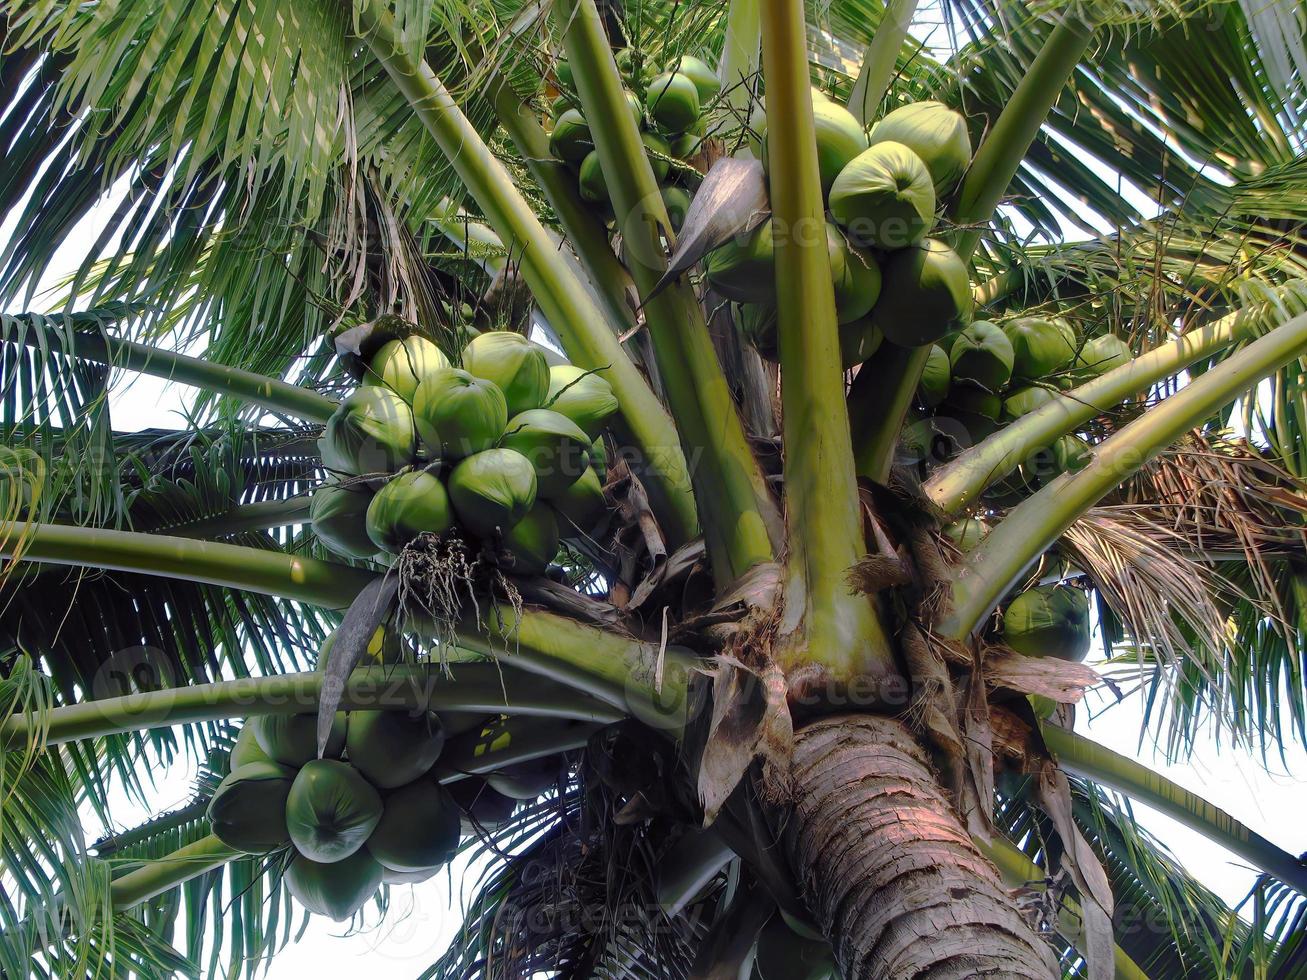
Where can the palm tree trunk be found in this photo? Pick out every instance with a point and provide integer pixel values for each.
(888, 870)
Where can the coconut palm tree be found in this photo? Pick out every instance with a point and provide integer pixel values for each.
(790, 708)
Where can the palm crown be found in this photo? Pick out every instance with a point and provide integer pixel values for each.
(841, 499)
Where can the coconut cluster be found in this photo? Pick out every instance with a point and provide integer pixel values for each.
(369, 811)
(668, 106)
(882, 192)
(506, 449)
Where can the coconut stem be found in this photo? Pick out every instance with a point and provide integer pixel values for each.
(997, 563)
(740, 56)
(258, 516)
(881, 59)
(165, 873)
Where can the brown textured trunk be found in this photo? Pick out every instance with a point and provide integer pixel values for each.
(888, 870)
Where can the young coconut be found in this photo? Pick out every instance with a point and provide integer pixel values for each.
(677, 202)
(482, 809)
(371, 431)
(966, 533)
(401, 365)
(512, 362)
(1026, 400)
(744, 268)
(982, 355)
(245, 750)
(698, 71)
(331, 810)
(418, 830)
(840, 139)
(936, 134)
(248, 809)
(936, 377)
(659, 152)
(784, 954)
(971, 400)
(859, 340)
(526, 780)
(673, 102)
(855, 275)
(458, 414)
(581, 506)
(884, 198)
(336, 890)
(407, 506)
(292, 740)
(533, 541)
(1102, 354)
(925, 294)
(1039, 347)
(339, 517)
(555, 445)
(570, 139)
(583, 396)
(590, 179)
(491, 490)
(1048, 621)
(391, 748)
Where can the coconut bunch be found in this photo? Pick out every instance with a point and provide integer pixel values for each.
(883, 191)
(506, 451)
(667, 105)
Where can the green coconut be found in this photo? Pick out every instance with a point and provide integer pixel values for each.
(1040, 347)
(493, 489)
(391, 748)
(292, 740)
(563, 72)
(599, 458)
(698, 71)
(1048, 621)
(840, 140)
(967, 533)
(339, 516)
(855, 275)
(784, 954)
(561, 104)
(525, 780)
(336, 890)
(389, 877)
(936, 376)
(975, 401)
(982, 355)
(570, 139)
(677, 202)
(248, 809)
(458, 414)
(935, 133)
(418, 829)
(245, 750)
(634, 104)
(583, 396)
(744, 268)
(687, 145)
(884, 198)
(331, 810)
(1068, 454)
(590, 179)
(482, 808)
(925, 294)
(659, 152)
(1102, 354)
(859, 340)
(581, 506)
(516, 365)
(533, 541)
(401, 365)
(1025, 400)
(407, 506)
(673, 102)
(371, 431)
(555, 445)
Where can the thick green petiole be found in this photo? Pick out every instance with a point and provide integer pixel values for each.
(881, 59)
(259, 516)
(159, 876)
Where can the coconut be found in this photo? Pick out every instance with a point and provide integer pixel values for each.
(570, 139)
(338, 889)
(590, 179)
(563, 72)
(784, 954)
(339, 515)
(659, 152)
(561, 104)
(935, 376)
(483, 809)
(975, 401)
(391, 748)
(1102, 354)
(331, 810)
(555, 445)
(371, 431)
(677, 202)
(514, 363)
(245, 750)
(698, 71)
(673, 102)
(1039, 347)
(525, 780)
(493, 489)
(418, 829)
(840, 139)
(688, 144)
(581, 506)
(884, 198)
(583, 396)
(966, 533)
(744, 269)
(635, 105)
(408, 505)
(859, 339)
(457, 413)
(599, 458)
(248, 809)
(982, 355)
(1048, 621)
(533, 541)
(401, 365)
(925, 294)
(855, 275)
(935, 133)
(292, 740)
(1026, 400)
(1069, 453)
(389, 877)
